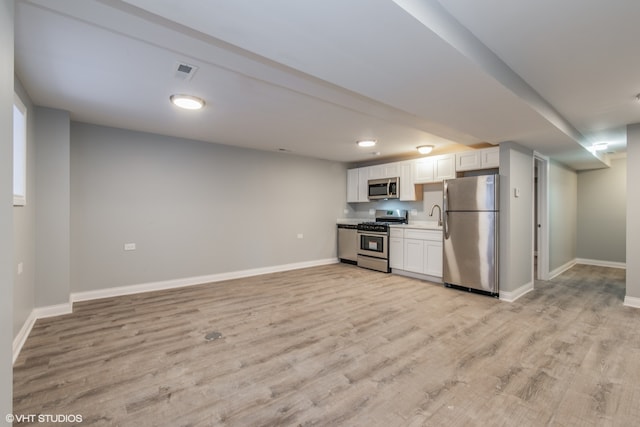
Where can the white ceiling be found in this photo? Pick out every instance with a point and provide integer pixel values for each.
(312, 77)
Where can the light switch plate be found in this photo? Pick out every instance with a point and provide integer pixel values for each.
(129, 246)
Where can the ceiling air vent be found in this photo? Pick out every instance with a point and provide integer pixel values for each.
(184, 71)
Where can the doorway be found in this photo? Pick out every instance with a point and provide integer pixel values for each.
(540, 258)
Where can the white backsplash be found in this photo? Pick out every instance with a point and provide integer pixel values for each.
(432, 194)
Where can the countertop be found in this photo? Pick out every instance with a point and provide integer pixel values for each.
(422, 225)
(351, 221)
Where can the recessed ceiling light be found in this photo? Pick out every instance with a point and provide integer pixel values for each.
(188, 102)
(366, 143)
(424, 149)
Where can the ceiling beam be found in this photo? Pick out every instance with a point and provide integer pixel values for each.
(436, 18)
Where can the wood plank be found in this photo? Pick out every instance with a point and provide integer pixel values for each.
(340, 345)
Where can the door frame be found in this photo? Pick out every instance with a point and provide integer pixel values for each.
(542, 207)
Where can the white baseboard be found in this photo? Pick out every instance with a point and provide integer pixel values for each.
(191, 281)
(60, 309)
(558, 271)
(632, 302)
(599, 263)
(37, 313)
(514, 295)
(23, 333)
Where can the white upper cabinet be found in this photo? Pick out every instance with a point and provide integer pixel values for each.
(434, 168)
(407, 184)
(467, 161)
(424, 171)
(490, 158)
(358, 181)
(357, 185)
(411, 172)
(363, 184)
(387, 170)
(352, 185)
(486, 158)
(444, 167)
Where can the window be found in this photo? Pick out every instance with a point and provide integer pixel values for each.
(19, 152)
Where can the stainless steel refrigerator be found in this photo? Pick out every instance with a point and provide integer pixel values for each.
(470, 227)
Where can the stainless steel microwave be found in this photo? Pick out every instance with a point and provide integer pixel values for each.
(387, 188)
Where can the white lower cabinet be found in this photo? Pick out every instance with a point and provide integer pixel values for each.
(414, 255)
(416, 251)
(396, 252)
(433, 258)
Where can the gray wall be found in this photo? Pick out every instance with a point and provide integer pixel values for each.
(53, 277)
(193, 208)
(602, 213)
(633, 212)
(563, 205)
(6, 206)
(516, 217)
(24, 231)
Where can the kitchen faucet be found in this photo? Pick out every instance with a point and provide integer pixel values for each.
(439, 214)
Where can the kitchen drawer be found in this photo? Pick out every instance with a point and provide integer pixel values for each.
(410, 233)
(396, 232)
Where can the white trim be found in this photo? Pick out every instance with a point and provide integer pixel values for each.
(53, 310)
(632, 302)
(20, 153)
(599, 263)
(543, 216)
(558, 271)
(514, 295)
(37, 313)
(67, 308)
(191, 281)
(23, 333)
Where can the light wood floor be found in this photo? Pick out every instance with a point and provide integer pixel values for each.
(341, 346)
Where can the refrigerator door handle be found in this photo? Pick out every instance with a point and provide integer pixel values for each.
(445, 210)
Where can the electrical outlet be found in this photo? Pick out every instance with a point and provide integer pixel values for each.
(300, 236)
(20, 267)
(129, 246)
(414, 212)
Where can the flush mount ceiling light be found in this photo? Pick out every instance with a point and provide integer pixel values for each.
(188, 102)
(366, 143)
(424, 149)
(600, 146)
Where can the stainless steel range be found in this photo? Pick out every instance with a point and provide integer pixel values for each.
(373, 239)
